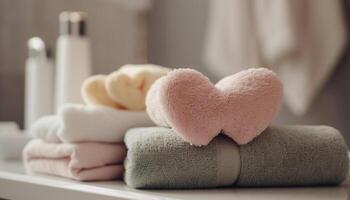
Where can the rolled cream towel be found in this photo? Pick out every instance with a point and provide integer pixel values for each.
(81, 161)
(129, 85)
(281, 156)
(94, 92)
(83, 123)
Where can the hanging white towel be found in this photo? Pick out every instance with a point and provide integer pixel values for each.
(232, 37)
(299, 39)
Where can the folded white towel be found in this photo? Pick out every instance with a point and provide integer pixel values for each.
(46, 128)
(82, 123)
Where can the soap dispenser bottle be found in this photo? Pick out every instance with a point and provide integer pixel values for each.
(39, 82)
(73, 57)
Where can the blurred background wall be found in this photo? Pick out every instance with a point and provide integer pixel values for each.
(116, 28)
(177, 33)
(170, 33)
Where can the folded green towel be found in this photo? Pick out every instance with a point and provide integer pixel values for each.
(280, 156)
(294, 155)
(159, 158)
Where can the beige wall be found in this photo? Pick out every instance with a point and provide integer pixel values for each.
(176, 33)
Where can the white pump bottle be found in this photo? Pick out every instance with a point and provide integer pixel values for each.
(39, 82)
(73, 58)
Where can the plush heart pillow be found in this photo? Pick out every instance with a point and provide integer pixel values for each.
(241, 105)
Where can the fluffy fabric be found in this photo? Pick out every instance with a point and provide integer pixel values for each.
(82, 161)
(241, 105)
(281, 156)
(46, 128)
(128, 86)
(294, 155)
(159, 158)
(94, 92)
(82, 123)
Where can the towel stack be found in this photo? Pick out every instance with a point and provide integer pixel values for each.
(86, 142)
(211, 136)
(281, 156)
(207, 135)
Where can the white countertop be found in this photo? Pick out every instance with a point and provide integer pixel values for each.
(15, 184)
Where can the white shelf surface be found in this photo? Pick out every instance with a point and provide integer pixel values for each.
(15, 184)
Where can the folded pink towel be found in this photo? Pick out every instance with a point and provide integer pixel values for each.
(80, 161)
(241, 105)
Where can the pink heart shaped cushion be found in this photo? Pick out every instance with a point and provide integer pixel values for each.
(241, 105)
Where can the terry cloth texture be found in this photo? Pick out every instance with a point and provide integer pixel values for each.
(94, 92)
(129, 85)
(82, 123)
(294, 156)
(80, 161)
(46, 128)
(241, 105)
(159, 158)
(125, 88)
(281, 156)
